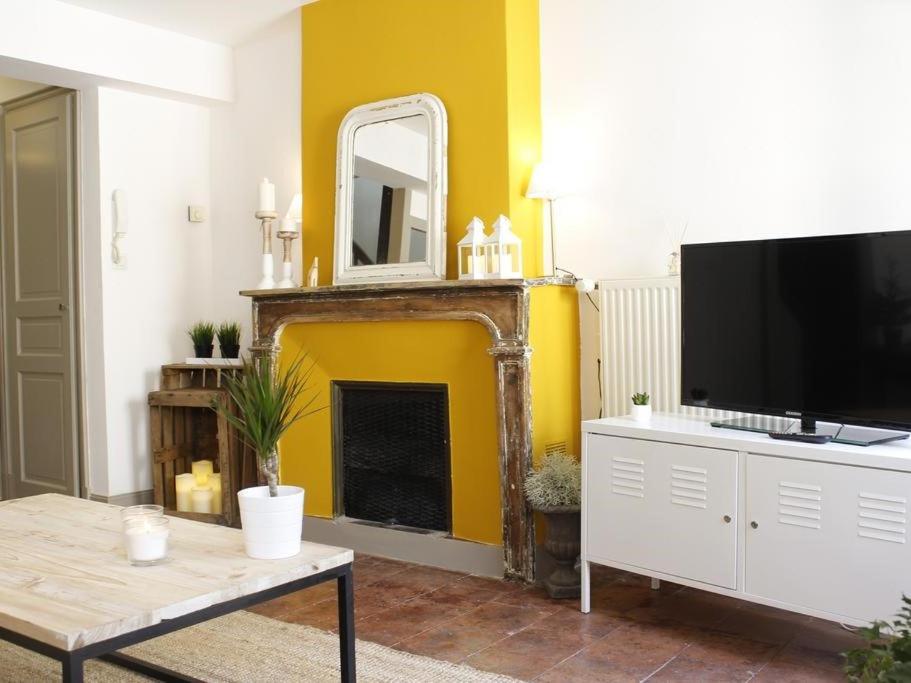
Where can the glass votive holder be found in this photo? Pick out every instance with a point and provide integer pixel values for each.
(146, 539)
(141, 511)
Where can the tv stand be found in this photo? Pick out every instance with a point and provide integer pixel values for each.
(816, 529)
(846, 434)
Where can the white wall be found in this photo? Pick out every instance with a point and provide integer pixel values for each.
(158, 151)
(256, 136)
(742, 119)
(58, 43)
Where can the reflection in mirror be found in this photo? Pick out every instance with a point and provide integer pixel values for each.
(390, 186)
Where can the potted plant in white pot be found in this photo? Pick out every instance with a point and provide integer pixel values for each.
(555, 490)
(268, 402)
(642, 409)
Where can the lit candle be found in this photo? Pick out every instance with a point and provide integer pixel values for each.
(202, 499)
(146, 539)
(184, 484)
(201, 470)
(215, 483)
(266, 196)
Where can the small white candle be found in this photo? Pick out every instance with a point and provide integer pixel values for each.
(266, 195)
(146, 539)
(184, 484)
(215, 483)
(288, 225)
(201, 470)
(202, 499)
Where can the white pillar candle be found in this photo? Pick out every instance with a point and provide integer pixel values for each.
(201, 470)
(215, 483)
(184, 484)
(202, 499)
(146, 539)
(266, 195)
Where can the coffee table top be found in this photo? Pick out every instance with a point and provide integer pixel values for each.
(65, 579)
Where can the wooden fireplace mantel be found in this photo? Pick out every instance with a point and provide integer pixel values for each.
(502, 306)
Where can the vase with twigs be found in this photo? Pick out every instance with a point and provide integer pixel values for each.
(263, 402)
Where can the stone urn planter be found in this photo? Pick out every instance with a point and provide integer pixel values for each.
(564, 543)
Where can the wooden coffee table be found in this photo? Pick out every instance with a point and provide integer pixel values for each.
(68, 592)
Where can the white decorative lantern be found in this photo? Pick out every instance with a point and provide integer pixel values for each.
(503, 251)
(471, 252)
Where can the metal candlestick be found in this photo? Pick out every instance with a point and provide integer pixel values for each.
(268, 279)
(287, 237)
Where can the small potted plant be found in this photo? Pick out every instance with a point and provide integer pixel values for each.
(202, 334)
(888, 655)
(555, 490)
(266, 402)
(642, 409)
(229, 339)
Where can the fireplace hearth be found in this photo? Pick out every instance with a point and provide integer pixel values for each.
(391, 451)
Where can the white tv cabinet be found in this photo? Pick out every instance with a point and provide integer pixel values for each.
(816, 529)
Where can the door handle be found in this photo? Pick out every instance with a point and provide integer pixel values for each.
(727, 519)
(755, 525)
(61, 307)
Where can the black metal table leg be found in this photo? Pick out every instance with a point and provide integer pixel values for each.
(346, 625)
(72, 669)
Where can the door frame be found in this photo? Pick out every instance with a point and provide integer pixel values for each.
(76, 276)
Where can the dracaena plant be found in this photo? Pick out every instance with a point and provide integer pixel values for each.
(268, 401)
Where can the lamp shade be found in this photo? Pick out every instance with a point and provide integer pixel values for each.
(544, 182)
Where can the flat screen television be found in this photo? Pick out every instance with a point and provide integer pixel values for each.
(810, 327)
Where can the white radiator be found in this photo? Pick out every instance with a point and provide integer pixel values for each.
(640, 345)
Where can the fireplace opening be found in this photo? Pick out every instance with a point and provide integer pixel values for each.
(391, 451)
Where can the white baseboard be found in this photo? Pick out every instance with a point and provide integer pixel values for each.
(430, 549)
(125, 499)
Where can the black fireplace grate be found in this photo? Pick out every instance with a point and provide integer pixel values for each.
(392, 453)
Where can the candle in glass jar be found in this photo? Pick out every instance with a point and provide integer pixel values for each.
(201, 470)
(184, 484)
(146, 539)
(266, 195)
(202, 499)
(215, 483)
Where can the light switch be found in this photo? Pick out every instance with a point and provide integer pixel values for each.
(196, 214)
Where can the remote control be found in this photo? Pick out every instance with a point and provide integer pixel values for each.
(802, 437)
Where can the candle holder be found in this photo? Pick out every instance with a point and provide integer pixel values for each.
(287, 237)
(146, 539)
(266, 218)
(139, 511)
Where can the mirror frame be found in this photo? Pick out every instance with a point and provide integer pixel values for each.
(434, 265)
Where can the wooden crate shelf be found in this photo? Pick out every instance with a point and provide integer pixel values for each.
(184, 428)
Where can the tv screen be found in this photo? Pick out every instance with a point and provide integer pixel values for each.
(818, 327)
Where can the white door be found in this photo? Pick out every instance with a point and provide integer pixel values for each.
(37, 241)
(663, 507)
(827, 537)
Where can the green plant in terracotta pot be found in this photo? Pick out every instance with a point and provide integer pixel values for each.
(264, 403)
(229, 339)
(555, 490)
(202, 334)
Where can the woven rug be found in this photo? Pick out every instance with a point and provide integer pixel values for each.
(246, 648)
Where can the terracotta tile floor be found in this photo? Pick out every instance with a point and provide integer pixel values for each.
(632, 634)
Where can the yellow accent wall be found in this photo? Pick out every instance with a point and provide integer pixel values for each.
(481, 57)
(445, 352)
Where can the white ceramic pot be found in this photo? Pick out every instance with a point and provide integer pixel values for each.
(272, 526)
(642, 413)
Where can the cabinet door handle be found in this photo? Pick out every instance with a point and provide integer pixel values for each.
(755, 525)
(727, 519)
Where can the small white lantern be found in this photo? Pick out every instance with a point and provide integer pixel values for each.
(503, 251)
(471, 252)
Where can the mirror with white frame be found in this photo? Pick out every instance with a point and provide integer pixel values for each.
(390, 217)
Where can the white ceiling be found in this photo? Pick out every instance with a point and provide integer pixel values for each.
(230, 22)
